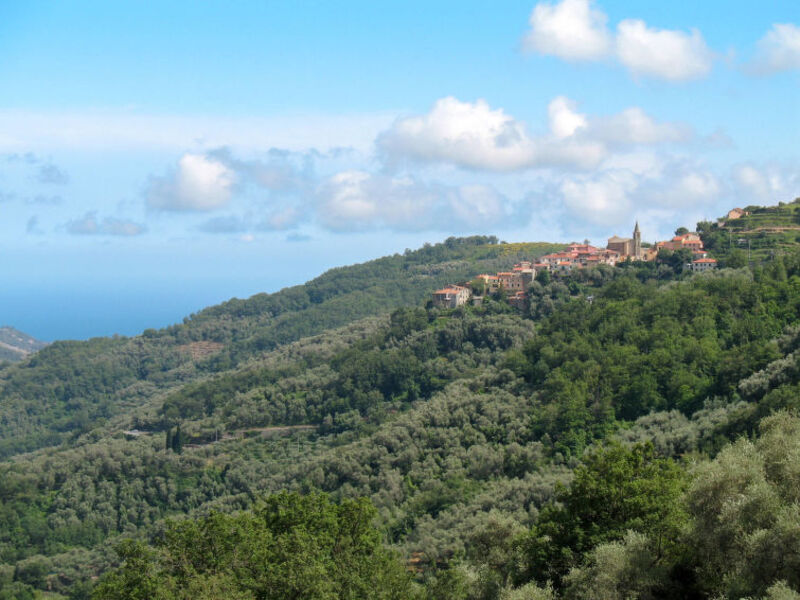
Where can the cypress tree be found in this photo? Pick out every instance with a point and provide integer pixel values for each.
(169, 439)
(177, 440)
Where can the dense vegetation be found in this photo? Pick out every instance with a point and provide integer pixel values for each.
(81, 386)
(631, 434)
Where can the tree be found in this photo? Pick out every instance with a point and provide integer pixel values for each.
(177, 440)
(616, 489)
(288, 546)
(736, 259)
(681, 231)
(543, 276)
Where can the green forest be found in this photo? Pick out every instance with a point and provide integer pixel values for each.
(633, 433)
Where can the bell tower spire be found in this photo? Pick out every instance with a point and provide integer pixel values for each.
(637, 241)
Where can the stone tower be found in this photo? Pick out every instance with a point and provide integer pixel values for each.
(637, 241)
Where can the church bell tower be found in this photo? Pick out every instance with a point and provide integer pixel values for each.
(637, 241)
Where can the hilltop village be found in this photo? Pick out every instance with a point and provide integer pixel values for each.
(576, 256)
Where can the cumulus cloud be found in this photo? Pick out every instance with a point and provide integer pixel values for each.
(90, 225)
(471, 135)
(353, 200)
(766, 183)
(572, 29)
(641, 188)
(662, 53)
(575, 30)
(564, 118)
(476, 136)
(198, 183)
(604, 199)
(277, 172)
(779, 49)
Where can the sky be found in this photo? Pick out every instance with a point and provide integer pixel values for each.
(156, 158)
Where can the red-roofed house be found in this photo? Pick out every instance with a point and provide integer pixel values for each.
(704, 264)
(451, 297)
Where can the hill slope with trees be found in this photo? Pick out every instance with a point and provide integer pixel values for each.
(631, 434)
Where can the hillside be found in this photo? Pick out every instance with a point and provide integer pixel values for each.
(80, 386)
(762, 232)
(15, 345)
(578, 448)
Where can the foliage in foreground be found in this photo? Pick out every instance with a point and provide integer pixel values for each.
(289, 546)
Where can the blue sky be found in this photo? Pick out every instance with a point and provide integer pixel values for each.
(159, 157)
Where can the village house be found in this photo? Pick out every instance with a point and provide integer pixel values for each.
(451, 297)
(490, 282)
(690, 241)
(704, 264)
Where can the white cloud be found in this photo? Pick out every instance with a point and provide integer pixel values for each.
(575, 30)
(682, 186)
(603, 199)
(779, 49)
(90, 225)
(353, 200)
(643, 187)
(475, 136)
(766, 183)
(564, 119)
(634, 126)
(471, 135)
(572, 29)
(200, 183)
(663, 53)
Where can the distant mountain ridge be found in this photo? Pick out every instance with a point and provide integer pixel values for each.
(16, 345)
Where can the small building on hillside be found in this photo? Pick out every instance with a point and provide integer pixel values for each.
(512, 281)
(518, 300)
(490, 282)
(736, 213)
(704, 264)
(451, 297)
(690, 241)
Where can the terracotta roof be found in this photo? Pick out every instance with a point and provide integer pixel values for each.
(705, 260)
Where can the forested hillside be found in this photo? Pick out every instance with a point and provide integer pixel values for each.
(72, 388)
(630, 434)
